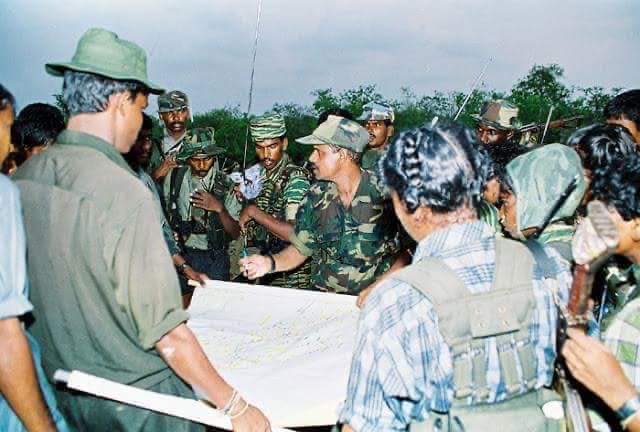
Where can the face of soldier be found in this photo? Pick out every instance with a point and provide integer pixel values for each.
(270, 151)
(6, 120)
(630, 125)
(489, 135)
(128, 120)
(175, 121)
(200, 166)
(379, 133)
(325, 162)
(141, 150)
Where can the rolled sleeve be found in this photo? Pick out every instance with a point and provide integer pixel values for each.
(147, 276)
(293, 193)
(304, 237)
(13, 295)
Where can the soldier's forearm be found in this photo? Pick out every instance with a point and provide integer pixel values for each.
(288, 259)
(230, 225)
(183, 353)
(281, 229)
(18, 380)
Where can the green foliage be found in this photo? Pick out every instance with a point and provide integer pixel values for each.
(542, 88)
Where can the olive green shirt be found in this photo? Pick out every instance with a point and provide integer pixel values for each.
(101, 276)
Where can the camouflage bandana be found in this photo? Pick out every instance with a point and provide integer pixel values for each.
(500, 114)
(340, 132)
(376, 111)
(539, 177)
(174, 100)
(267, 126)
(199, 142)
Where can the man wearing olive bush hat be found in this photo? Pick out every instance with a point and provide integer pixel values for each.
(101, 276)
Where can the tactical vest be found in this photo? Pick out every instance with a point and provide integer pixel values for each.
(217, 237)
(271, 202)
(466, 320)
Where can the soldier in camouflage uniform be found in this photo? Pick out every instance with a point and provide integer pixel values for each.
(537, 179)
(173, 109)
(497, 125)
(342, 222)
(378, 118)
(200, 205)
(268, 221)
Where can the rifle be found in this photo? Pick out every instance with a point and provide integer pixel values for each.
(606, 239)
(555, 124)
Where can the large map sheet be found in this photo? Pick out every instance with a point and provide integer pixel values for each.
(287, 351)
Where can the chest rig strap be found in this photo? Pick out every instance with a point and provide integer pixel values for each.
(467, 321)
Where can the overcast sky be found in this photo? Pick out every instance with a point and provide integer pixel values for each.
(204, 46)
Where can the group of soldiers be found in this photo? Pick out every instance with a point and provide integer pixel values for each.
(458, 244)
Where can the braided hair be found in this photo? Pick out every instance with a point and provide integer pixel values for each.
(438, 167)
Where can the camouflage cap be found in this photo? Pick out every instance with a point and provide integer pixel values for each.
(267, 126)
(172, 101)
(377, 111)
(539, 177)
(340, 132)
(199, 142)
(500, 114)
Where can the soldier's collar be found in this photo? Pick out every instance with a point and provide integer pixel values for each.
(82, 139)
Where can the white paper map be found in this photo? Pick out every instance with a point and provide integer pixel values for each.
(287, 351)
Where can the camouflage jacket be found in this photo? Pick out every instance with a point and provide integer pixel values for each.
(370, 158)
(350, 246)
(282, 191)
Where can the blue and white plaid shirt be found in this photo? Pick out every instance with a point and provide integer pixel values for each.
(402, 368)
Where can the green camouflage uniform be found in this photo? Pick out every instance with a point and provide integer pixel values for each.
(283, 188)
(198, 229)
(350, 246)
(172, 101)
(538, 179)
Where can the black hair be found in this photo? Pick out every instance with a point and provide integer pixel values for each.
(618, 185)
(37, 125)
(600, 144)
(6, 99)
(625, 105)
(88, 93)
(337, 111)
(147, 123)
(438, 167)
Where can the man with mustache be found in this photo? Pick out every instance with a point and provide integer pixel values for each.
(497, 126)
(173, 109)
(343, 222)
(201, 208)
(138, 159)
(270, 219)
(378, 118)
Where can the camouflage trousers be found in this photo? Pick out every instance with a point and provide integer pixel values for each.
(214, 264)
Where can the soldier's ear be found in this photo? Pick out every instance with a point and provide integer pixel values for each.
(390, 131)
(635, 230)
(510, 134)
(285, 143)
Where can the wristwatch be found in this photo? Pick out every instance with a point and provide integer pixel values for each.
(273, 263)
(628, 410)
